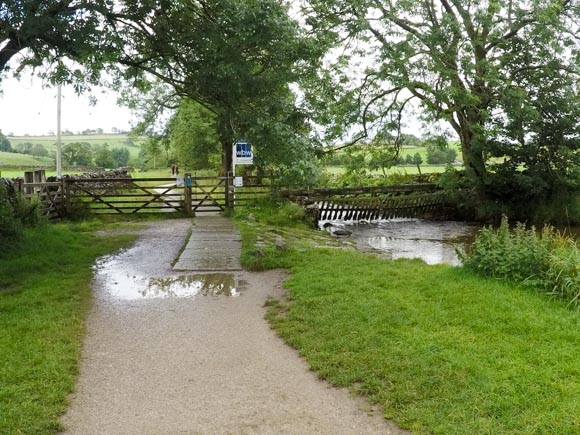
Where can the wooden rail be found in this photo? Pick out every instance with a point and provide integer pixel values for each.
(186, 195)
(358, 191)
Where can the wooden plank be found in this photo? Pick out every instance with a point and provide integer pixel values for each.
(403, 188)
(131, 195)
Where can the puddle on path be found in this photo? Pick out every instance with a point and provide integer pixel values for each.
(118, 283)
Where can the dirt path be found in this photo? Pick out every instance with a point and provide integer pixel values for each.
(168, 353)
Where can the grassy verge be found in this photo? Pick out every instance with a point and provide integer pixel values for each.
(44, 296)
(441, 349)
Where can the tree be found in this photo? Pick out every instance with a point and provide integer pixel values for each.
(418, 160)
(39, 150)
(77, 154)
(461, 61)
(5, 144)
(151, 152)
(193, 136)
(46, 33)
(24, 147)
(104, 158)
(411, 140)
(439, 152)
(234, 57)
(121, 157)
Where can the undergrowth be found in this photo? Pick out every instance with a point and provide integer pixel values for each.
(545, 260)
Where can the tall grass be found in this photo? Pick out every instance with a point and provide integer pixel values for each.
(545, 260)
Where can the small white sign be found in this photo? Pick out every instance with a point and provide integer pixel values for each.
(238, 181)
(243, 153)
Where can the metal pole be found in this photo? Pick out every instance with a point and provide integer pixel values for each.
(58, 138)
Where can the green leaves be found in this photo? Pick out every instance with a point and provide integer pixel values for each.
(474, 65)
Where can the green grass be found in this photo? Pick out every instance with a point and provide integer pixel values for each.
(410, 170)
(49, 142)
(15, 159)
(441, 350)
(44, 296)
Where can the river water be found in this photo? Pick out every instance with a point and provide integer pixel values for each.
(432, 241)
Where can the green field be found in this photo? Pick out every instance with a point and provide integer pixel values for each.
(14, 159)
(113, 140)
(407, 169)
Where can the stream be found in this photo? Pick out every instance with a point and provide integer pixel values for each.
(432, 241)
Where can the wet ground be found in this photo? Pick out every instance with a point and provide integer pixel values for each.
(170, 349)
(432, 241)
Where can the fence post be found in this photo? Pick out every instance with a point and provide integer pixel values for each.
(229, 190)
(28, 179)
(187, 193)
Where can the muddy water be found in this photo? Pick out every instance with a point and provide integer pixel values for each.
(119, 283)
(432, 241)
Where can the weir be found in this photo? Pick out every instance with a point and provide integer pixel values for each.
(373, 203)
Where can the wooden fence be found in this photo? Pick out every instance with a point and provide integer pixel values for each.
(187, 195)
(194, 195)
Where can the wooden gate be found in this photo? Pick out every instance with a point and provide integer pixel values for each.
(124, 195)
(208, 194)
(188, 195)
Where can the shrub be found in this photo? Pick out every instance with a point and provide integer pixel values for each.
(546, 261)
(10, 226)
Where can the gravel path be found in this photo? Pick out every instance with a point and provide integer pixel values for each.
(169, 353)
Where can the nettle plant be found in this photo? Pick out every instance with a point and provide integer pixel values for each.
(545, 260)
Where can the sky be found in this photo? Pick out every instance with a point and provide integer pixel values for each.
(28, 108)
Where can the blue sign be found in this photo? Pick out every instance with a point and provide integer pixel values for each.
(243, 154)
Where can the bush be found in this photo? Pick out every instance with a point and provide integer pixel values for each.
(546, 261)
(10, 225)
(439, 153)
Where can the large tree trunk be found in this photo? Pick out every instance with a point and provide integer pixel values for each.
(227, 157)
(226, 136)
(472, 151)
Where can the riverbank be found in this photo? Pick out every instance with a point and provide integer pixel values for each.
(439, 349)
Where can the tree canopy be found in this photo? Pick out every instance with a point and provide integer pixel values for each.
(5, 143)
(471, 64)
(236, 58)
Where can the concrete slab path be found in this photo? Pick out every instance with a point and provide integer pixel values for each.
(214, 245)
(169, 352)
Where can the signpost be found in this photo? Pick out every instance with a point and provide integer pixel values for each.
(242, 155)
